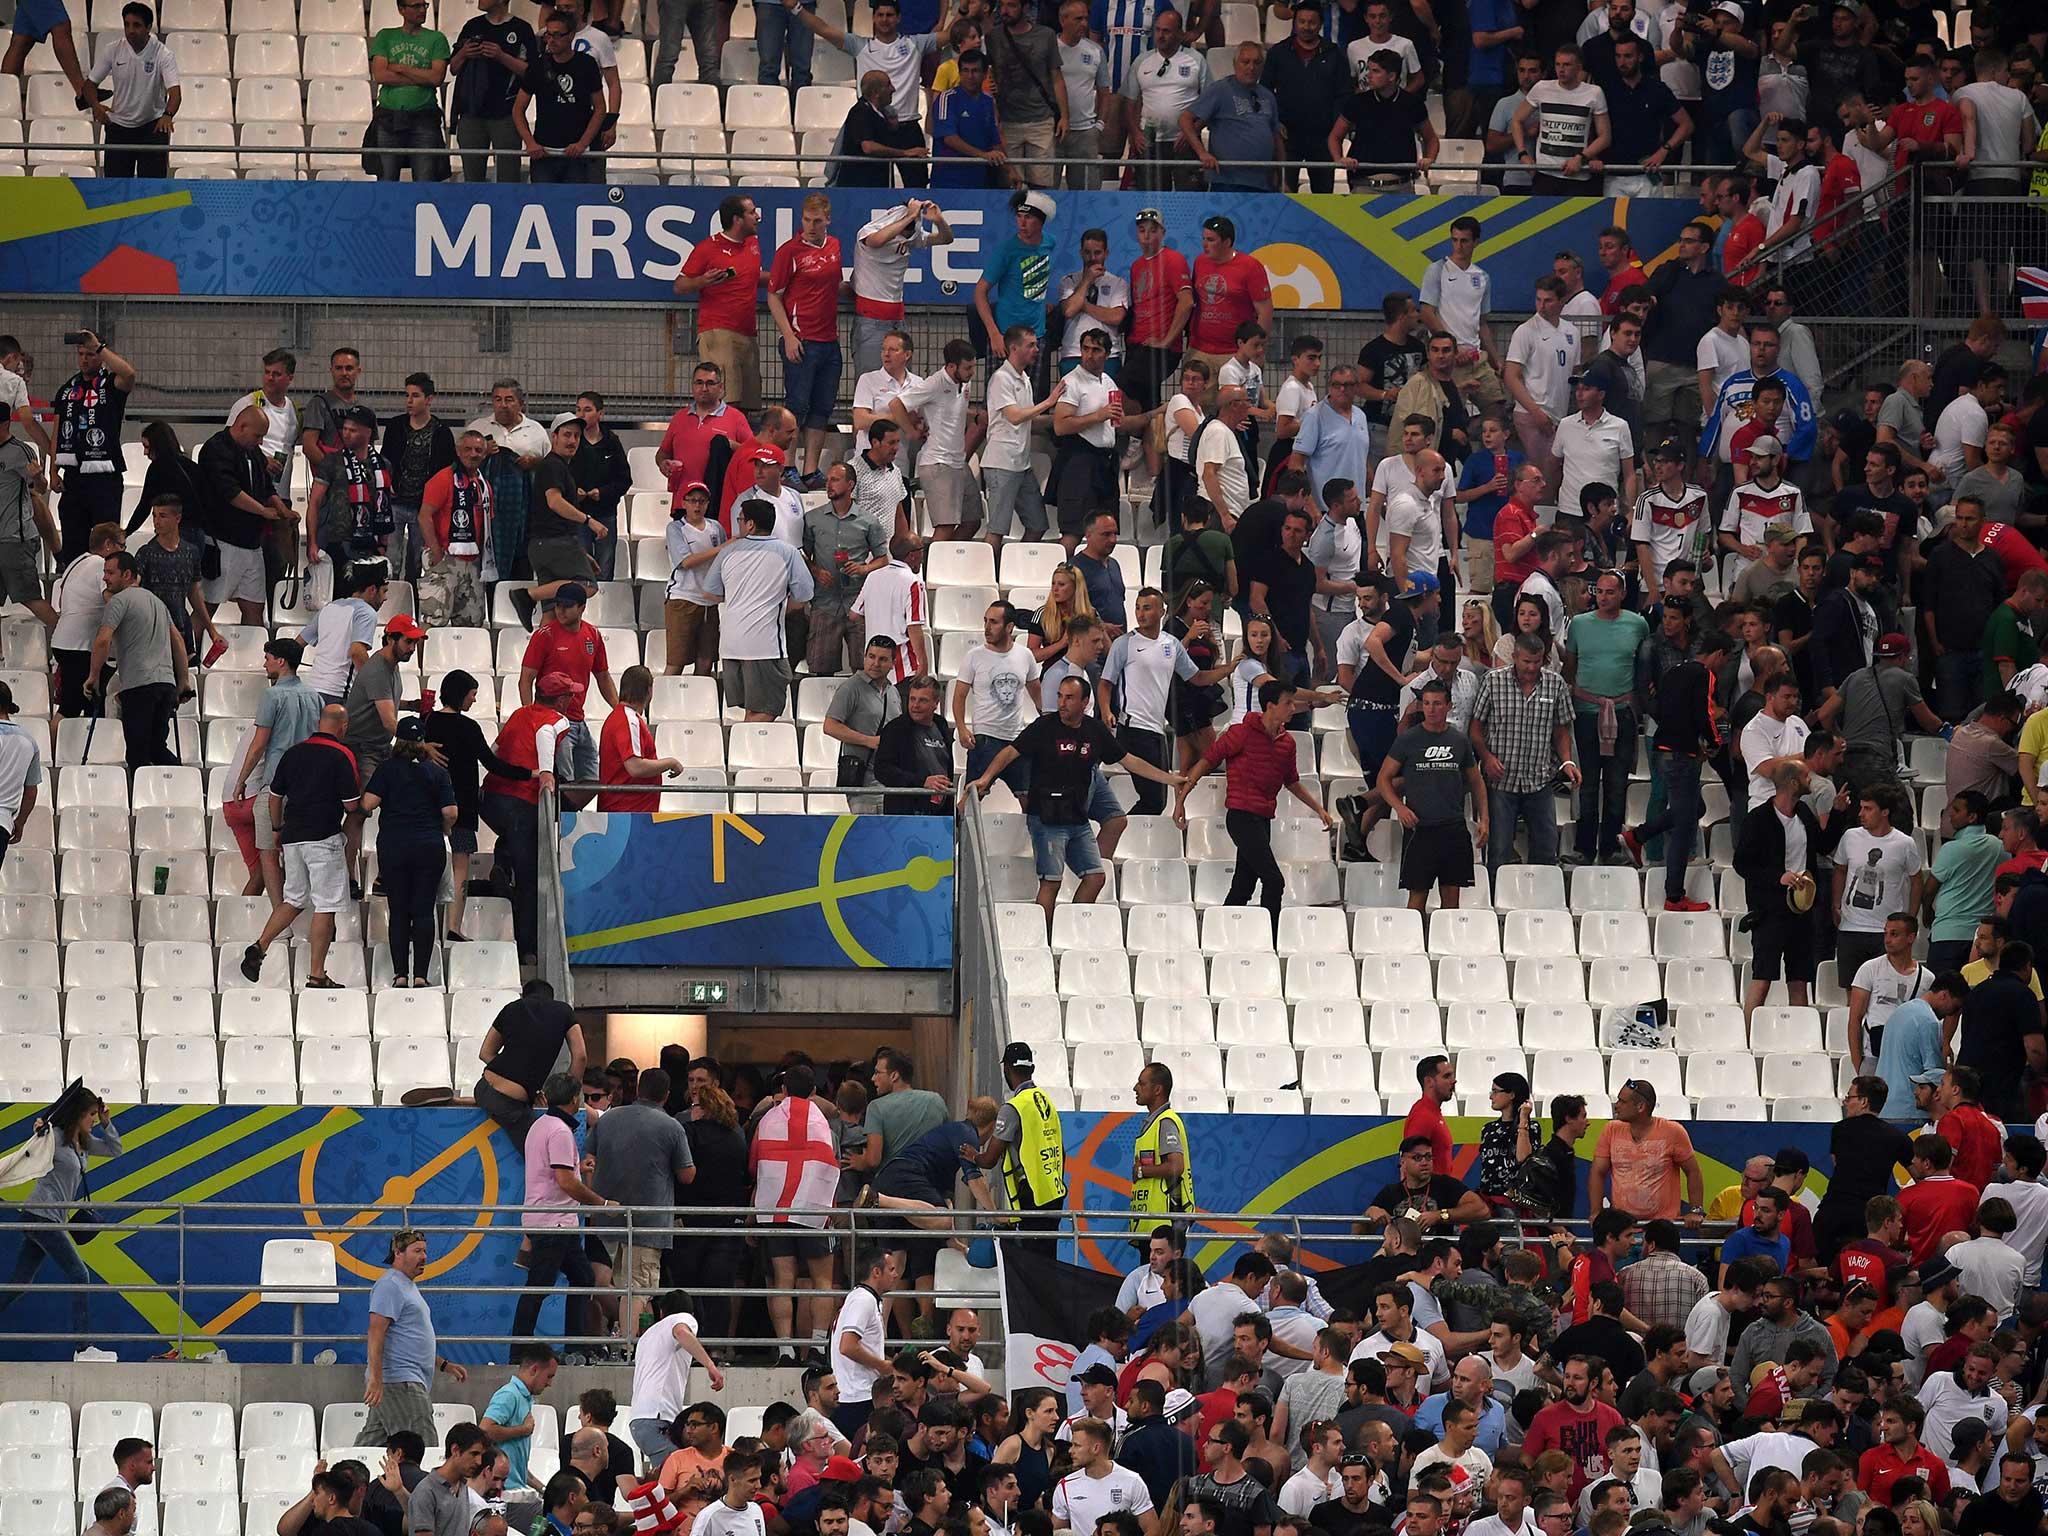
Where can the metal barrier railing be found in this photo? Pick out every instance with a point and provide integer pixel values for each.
(1323, 1241)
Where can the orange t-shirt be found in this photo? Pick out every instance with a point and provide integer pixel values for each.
(1644, 1174)
(680, 1470)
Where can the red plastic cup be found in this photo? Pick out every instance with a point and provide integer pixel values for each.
(426, 701)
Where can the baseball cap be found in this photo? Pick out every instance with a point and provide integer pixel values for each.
(404, 624)
(1670, 448)
(555, 685)
(1931, 1078)
(411, 728)
(1420, 584)
(1099, 1375)
(1018, 1054)
(695, 485)
(1180, 1402)
(1730, 8)
(562, 419)
(1778, 533)
(765, 453)
(841, 1469)
(1596, 378)
(1893, 644)
(1149, 216)
(1766, 447)
(1703, 1379)
(571, 593)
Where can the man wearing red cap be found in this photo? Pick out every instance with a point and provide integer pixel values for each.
(530, 739)
(574, 649)
(373, 702)
(688, 616)
(766, 461)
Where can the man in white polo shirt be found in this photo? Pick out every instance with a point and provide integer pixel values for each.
(1141, 668)
(856, 1350)
(767, 461)
(1541, 354)
(1096, 1486)
(1011, 487)
(757, 580)
(935, 409)
(146, 97)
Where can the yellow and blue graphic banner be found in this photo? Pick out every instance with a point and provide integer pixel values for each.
(206, 1186)
(251, 239)
(715, 888)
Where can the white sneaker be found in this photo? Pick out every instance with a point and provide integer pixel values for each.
(95, 1354)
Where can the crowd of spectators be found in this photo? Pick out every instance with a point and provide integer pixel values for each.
(1809, 107)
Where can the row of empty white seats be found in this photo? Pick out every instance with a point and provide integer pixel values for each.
(1464, 933)
(1253, 1068)
(1319, 1023)
(1377, 978)
(243, 1070)
(35, 1006)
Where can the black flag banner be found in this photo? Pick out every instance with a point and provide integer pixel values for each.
(1046, 1306)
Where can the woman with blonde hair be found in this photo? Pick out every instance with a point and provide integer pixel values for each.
(1480, 632)
(1045, 632)
(1917, 1517)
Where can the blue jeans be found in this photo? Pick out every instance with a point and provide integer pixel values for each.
(1957, 675)
(776, 30)
(48, 1240)
(811, 383)
(405, 542)
(1604, 794)
(580, 748)
(1535, 809)
(1678, 821)
(983, 752)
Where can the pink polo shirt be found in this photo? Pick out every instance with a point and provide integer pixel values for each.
(549, 1145)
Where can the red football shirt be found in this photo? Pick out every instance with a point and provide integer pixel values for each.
(1882, 1466)
(1838, 183)
(726, 306)
(1426, 1118)
(1157, 283)
(625, 735)
(1978, 1141)
(687, 443)
(1744, 238)
(1627, 278)
(1922, 122)
(1942, 1203)
(577, 653)
(807, 277)
(2015, 552)
(1225, 292)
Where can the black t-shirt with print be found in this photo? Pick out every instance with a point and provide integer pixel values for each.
(563, 96)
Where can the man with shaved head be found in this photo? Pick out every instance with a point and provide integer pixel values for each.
(313, 791)
(242, 506)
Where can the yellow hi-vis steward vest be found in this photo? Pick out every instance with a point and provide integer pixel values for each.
(1153, 1196)
(1035, 1169)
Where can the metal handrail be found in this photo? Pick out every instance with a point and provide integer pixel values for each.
(1180, 162)
(1326, 1230)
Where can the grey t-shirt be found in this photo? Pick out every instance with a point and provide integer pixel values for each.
(1901, 412)
(17, 511)
(866, 707)
(142, 638)
(375, 680)
(1433, 766)
(640, 1148)
(1026, 65)
(1875, 706)
(900, 1118)
(2002, 502)
(436, 1506)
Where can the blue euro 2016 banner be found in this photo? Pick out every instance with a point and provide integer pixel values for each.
(318, 240)
(203, 1188)
(714, 888)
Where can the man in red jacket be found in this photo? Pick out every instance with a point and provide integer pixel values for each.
(1977, 1139)
(1936, 1202)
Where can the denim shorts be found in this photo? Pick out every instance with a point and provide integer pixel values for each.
(1103, 805)
(1058, 849)
(811, 384)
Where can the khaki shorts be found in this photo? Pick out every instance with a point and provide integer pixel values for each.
(316, 875)
(266, 833)
(639, 1267)
(1479, 564)
(740, 357)
(692, 632)
(951, 495)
